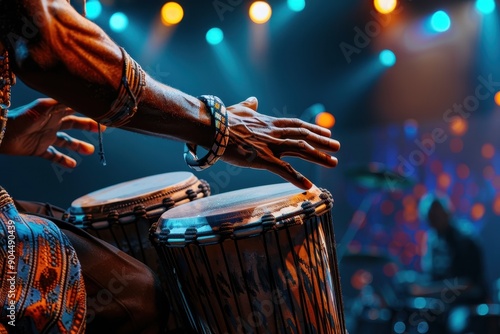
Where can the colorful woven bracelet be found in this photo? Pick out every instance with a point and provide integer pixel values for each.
(220, 123)
(131, 88)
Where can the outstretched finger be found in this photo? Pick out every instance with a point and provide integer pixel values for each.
(64, 140)
(301, 149)
(286, 171)
(80, 123)
(57, 157)
(298, 123)
(318, 141)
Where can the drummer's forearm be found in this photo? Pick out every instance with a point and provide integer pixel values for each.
(168, 112)
(75, 62)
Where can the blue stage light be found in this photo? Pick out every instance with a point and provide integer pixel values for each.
(485, 6)
(93, 9)
(214, 36)
(296, 5)
(387, 58)
(440, 21)
(118, 22)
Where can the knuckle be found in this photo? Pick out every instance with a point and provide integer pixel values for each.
(303, 132)
(302, 144)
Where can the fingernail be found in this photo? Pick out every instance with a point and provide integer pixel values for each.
(307, 184)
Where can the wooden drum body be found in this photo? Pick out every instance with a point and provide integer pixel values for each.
(258, 260)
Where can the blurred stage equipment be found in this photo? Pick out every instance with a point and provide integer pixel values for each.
(376, 178)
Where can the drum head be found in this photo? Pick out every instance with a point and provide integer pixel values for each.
(243, 210)
(131, 193)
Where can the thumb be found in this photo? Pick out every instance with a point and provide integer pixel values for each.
(251, 103)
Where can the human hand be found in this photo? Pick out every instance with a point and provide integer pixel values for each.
(34, 130)
(260, 141)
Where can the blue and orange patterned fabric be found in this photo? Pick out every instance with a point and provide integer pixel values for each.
(41, 284)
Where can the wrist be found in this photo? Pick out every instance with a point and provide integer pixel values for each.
(220, 140)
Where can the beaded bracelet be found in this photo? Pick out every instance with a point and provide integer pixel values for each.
(131, 88)
(220, 123)
(7, 79)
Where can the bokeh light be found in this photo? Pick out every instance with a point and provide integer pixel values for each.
(456, 145)
(361, 278)
(296, 5)
(118, 22)
(214, 36)
(440, 21)
(385, 6)
(488, 151)
(93, 9)
(497, 98)
(325, 119)
(411, 128)
(390, 269)
(459, 126)
(477, 211)
(485, 6)
(489, 172)
(444, 180)
(387, 58)
(171, 13)
(260, 12)
(463, 171)
(496, 206)
(419, 190)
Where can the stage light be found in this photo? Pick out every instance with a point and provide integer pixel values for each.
(260, 12)
(325, 119)
(118, 22)
(399, 327)
(485, 6)
(482, 309)
(457, 319)
(411, 128)
(440, 21)
(214, 36)
(385, 6)
(488, 151)
(459, 126)
(171, 13)
(477, 211)
(387, 58)
(93, 9)
(497, 98)
(296, 5)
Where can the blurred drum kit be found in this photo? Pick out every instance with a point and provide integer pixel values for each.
(257, 260)
(399, 305)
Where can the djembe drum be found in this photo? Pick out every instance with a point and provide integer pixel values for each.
(123, 213)
(258, 260)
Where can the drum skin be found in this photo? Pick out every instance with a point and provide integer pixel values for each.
(258, 260)
(122, 214)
